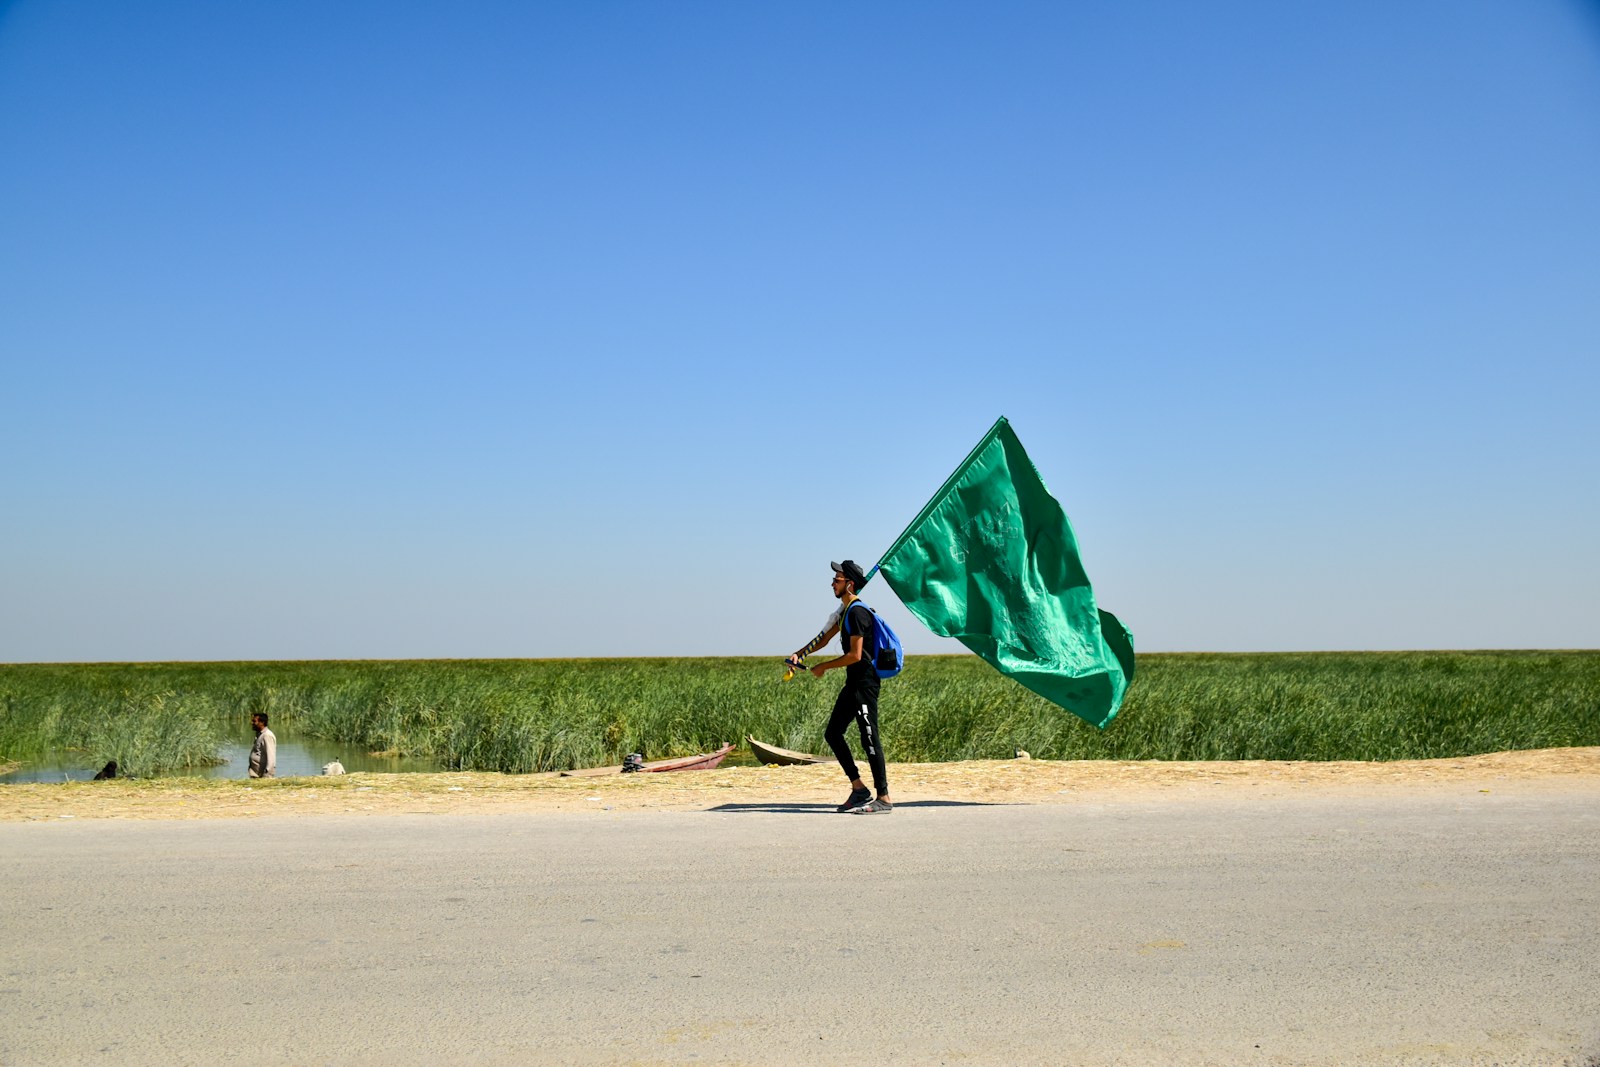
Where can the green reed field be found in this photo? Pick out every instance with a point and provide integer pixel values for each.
(534, 715)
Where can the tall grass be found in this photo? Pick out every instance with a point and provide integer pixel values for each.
(532, 715)
(148, 732)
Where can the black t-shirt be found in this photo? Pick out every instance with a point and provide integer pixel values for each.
(861, 622)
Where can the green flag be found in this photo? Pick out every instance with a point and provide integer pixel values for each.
(991, 561)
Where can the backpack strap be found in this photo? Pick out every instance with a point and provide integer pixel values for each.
(844, 620)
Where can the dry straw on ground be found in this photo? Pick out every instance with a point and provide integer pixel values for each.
(992, 781)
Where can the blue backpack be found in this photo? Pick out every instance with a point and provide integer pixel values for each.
(885, 655)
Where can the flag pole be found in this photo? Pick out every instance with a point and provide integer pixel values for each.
(955, 476)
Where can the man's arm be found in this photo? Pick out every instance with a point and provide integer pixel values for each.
(855, 647)
(827, 634)
(853, 656)
(272, 756)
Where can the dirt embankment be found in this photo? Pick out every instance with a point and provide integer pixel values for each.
(991, 781)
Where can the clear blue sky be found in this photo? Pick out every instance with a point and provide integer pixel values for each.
(481, 330)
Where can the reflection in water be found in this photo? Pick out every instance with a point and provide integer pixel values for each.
(296, 757)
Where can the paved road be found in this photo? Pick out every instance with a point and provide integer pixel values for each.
(1434, 929)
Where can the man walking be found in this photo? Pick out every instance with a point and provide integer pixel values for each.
(858, 700)
(264, 753)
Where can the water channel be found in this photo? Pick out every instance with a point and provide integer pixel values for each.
(297, 756)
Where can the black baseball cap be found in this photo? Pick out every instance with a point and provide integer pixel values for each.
(851, 572)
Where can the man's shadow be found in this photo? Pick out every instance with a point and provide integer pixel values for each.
(833, 809)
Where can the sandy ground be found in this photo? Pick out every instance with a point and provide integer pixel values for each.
(992, 781)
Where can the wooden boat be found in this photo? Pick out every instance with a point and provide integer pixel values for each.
(781, 756)
(703, 761)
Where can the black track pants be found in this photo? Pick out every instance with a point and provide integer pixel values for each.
(858, 700)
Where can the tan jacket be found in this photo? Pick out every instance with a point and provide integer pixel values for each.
(264, 755)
